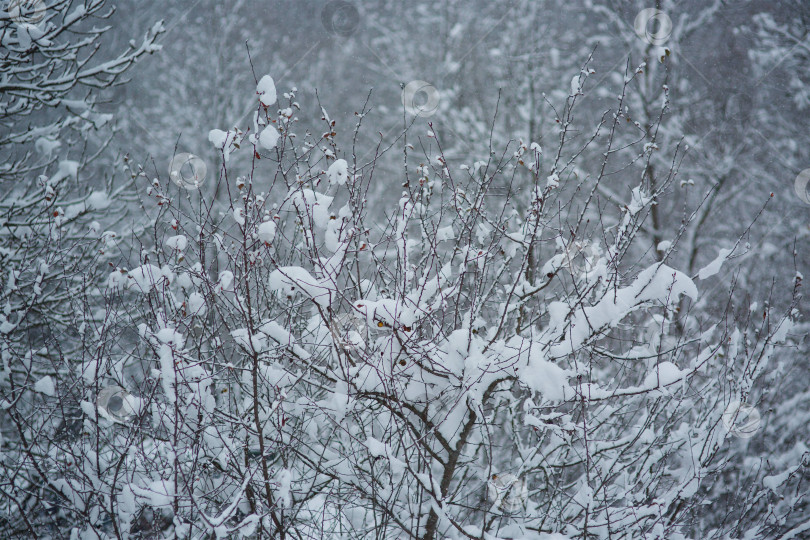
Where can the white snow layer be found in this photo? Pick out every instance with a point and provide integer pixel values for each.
(45, 386)
(714, 267)
(266, 90)
(338, 172)
(291, 279)
(267, 232)
(269, 138)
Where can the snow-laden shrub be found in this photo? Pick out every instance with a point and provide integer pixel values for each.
(303, 362)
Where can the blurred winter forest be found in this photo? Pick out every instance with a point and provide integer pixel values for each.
(489, 269)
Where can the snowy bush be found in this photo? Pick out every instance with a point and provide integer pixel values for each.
(286, 364)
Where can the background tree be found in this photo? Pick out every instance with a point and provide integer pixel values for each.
(53, 74)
